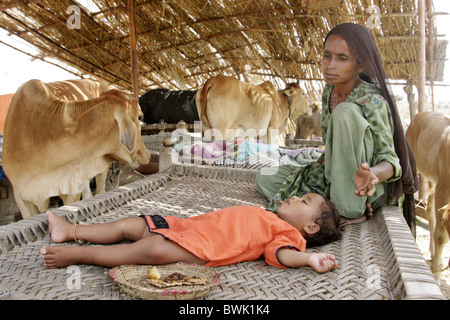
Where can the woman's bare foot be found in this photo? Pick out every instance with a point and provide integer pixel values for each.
(369, 211)
(58, 257)
(347, 221)
(368, 214)
(60, 230)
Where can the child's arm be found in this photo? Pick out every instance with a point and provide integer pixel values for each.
(321, 262)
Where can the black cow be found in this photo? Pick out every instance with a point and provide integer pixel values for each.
(170, 106)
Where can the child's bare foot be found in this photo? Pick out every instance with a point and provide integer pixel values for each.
(60, 230)
(58, 257)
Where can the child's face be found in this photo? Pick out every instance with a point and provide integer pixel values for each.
(301, 212)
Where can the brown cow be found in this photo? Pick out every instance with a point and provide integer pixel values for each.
(307, 126)
(429, 137)
(54, 144)
(227, 104)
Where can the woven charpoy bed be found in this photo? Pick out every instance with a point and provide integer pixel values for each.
(378, 258)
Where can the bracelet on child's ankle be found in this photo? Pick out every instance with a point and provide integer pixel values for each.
(78, 241)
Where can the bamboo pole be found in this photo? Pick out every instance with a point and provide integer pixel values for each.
(430, 45)
(421, 72)
(133, 51)
(421, 63)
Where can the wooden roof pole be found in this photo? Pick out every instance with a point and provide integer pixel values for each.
(421, 65)
(421, 72)
(430, 46)
(133, 45)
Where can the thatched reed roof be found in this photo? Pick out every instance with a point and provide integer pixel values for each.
(182, 43)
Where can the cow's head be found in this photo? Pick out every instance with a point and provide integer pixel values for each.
(298, 101)
(128, 115)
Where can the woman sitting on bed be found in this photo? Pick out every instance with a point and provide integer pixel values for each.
(367, 158)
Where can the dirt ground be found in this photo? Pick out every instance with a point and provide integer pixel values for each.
(423, 242)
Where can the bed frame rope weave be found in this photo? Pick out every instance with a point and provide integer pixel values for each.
(378, 259)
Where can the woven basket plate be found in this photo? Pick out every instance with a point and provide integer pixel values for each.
(133, 280)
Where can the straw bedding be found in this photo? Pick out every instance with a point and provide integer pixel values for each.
(378, 259)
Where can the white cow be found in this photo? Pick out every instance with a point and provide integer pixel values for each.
(225, 103)
(429, 137)
(309, 126)
(79, 90)
(54, 143)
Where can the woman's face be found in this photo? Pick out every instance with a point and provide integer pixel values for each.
(339, 64)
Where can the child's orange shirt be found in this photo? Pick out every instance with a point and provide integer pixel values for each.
(230, 235)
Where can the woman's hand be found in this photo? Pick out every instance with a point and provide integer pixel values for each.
(365, 181)
(367, 177)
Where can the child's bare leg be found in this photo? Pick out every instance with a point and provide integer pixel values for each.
(133, 228)
(154, 249)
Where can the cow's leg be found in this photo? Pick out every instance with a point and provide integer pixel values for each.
(115, 179)
(100, 181)
(297, 129)
(445, 212)
(213, 134)
(27, 208)
(270, 135)
(85, 194)
(431, 217)
(70, 198)
(440, 233)
(230, 132)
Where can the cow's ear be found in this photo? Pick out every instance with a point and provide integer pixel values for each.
(288, 91)
(127, 130)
